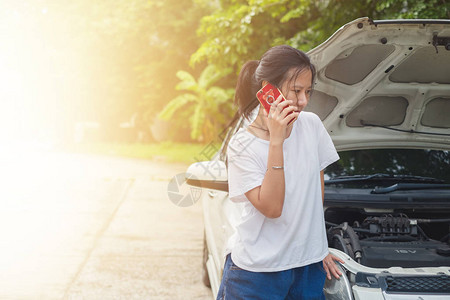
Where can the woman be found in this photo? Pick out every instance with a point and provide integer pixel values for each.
(279, 250)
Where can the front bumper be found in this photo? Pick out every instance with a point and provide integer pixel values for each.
(366, 283)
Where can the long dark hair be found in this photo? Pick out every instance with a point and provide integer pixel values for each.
(273, 67)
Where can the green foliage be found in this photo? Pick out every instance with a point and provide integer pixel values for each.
(242, 30)
(231, 31)
(208, 106)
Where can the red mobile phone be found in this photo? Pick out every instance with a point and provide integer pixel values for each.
(267, 95)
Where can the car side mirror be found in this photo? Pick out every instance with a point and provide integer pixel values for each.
(208, 174)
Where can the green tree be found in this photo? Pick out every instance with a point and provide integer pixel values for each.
(243, 29)
(208, 106)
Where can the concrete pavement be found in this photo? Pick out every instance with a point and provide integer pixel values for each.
(91, 227)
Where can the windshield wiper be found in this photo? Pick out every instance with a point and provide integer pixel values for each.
(408, 186)
(382, 176)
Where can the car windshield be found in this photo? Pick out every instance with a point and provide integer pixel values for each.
(384, 165)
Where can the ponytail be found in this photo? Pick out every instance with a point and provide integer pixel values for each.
(246, 88)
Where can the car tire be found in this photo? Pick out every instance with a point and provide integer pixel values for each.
(205, 276)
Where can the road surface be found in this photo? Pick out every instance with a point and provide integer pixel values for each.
(77, 226)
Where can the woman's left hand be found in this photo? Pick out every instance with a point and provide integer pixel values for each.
(330, 266)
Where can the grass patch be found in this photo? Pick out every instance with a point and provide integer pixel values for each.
(166, 151)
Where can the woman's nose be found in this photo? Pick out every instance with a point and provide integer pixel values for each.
(302, 99)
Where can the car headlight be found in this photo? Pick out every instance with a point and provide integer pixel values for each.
(338, 289)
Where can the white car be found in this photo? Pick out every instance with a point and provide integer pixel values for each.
(383, 93)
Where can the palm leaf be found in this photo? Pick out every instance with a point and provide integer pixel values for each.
(210, 75)
(197, 121)
(186, 77)
(176, 104)
(188, 82)
(207, 73)
(219, 95)
(187, 86)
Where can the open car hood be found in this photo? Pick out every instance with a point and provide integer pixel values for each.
(385, 84)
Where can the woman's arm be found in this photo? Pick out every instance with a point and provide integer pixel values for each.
(269, 197)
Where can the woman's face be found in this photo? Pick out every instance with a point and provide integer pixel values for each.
(298, 89)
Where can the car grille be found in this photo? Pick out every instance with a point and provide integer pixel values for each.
(418, 284)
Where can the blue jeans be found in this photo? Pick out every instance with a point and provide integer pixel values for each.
(299, 283)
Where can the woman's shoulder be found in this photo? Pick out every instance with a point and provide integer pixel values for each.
(244, 142)
(239, 140)
(310, 116)
(308, 120)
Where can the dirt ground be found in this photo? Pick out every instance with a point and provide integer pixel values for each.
(104, 230)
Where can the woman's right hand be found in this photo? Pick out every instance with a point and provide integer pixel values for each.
(278, 118)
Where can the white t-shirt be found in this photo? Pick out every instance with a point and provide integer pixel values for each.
(298, 237)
